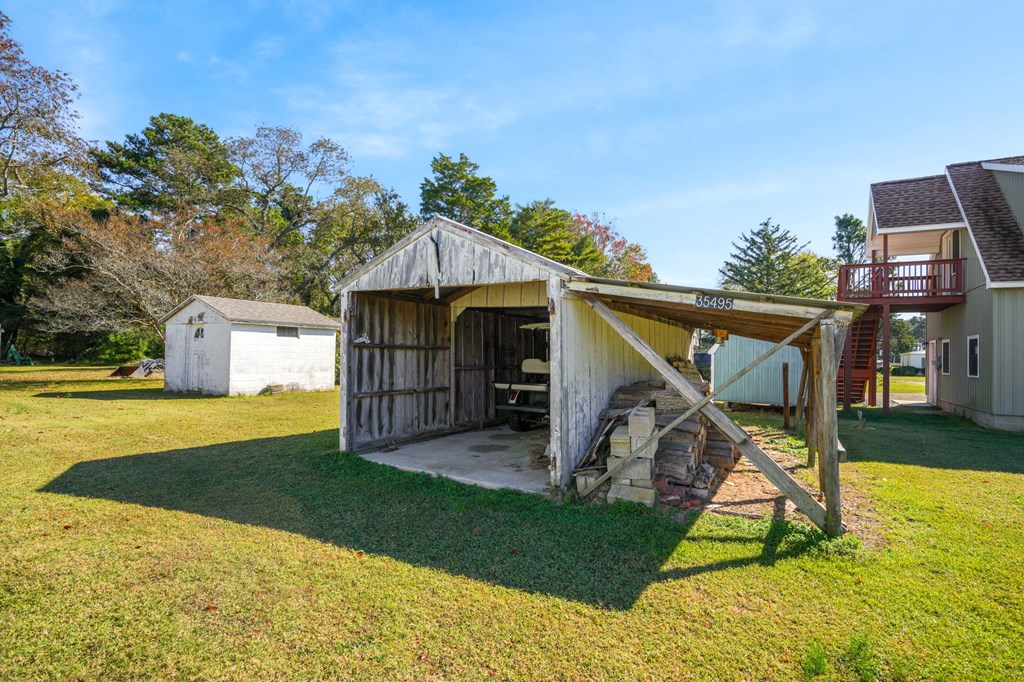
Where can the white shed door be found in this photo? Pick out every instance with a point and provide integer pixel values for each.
(196, 356)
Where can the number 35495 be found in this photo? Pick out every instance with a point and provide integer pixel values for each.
(716, 302)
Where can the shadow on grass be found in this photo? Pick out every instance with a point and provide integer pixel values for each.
(928, 437)
(599, 555)
(155, 393)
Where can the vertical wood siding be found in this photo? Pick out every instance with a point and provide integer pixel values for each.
(407, 351)
(595, 361)
(489, 347)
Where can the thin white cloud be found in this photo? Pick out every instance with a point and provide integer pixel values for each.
(270, 47)
(228, 69)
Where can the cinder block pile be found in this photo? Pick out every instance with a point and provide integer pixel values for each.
(634, 481)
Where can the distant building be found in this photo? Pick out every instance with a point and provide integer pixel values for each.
(763, 385)
(227, 346)
(915, 358)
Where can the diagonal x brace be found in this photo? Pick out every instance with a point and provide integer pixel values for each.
(779, 477)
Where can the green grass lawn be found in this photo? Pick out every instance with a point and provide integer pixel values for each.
(147, 535)
(902, 385)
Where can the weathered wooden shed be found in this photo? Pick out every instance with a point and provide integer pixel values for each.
(432, 322)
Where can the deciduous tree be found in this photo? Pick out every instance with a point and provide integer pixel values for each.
(121, 271)
(623, 259)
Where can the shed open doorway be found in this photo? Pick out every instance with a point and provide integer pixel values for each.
(453, 383)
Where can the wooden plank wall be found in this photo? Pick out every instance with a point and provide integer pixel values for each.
(597, 361)
(489, 347)
(398, 383)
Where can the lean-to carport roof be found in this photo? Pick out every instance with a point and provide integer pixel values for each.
(758, 316)
(445, 259)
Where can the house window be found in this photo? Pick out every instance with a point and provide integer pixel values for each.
(288, 332)
(956, 244)
(199, 334)
(973, 356)
(945, 356)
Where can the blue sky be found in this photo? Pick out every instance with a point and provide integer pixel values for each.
(687, 122)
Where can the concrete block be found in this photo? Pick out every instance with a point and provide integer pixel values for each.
(636, 441)
(638, 467)
(642, 483)
(583, 481)
(641, 421)
(621, 481)
(627, 493)
(619, 441)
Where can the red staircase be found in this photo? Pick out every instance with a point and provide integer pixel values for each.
(863, 338)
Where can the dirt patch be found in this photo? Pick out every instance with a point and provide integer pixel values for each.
(537, 446)
(746, 492)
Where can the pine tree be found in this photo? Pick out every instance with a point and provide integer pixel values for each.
(848, 239)
(770, 260)
(457, 191)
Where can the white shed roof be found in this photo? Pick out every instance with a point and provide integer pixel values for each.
(260, 312)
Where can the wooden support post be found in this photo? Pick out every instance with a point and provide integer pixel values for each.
(812, 407)
(801, 392)
(872, 372)
(771, 469)
(848, 371)
(785, 395)
(885, 359)
(828, 441)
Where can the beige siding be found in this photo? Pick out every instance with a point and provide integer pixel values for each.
(596, 361)
(515, 295)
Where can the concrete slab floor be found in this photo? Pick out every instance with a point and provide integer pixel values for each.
(497, 457)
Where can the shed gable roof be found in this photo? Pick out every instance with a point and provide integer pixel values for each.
(260, 312)
(449, 253)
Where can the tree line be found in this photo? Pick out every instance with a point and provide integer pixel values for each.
(99, 240)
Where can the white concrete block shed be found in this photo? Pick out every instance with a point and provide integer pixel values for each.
(435, 330)
(227, 346)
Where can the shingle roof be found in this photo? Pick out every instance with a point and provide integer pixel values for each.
(913, 202)
(259, 312)
(999, 238)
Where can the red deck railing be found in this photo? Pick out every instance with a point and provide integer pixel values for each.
(910, 280)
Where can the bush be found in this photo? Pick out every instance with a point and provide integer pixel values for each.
(127, 346)
(905, 371)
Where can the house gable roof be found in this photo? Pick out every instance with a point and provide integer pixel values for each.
(967, 195)
(914, 202)
(260, 312)
(996, 233)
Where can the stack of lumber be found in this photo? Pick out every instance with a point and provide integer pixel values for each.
(688, 461)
